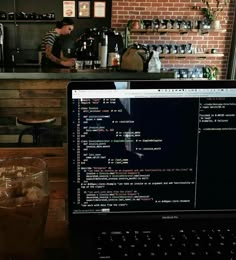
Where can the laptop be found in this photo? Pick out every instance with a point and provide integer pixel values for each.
(152, 160)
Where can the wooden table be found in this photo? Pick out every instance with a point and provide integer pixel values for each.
(56, 232)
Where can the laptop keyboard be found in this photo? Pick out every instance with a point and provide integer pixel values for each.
(181, 244)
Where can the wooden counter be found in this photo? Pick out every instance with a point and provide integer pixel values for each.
(67, 74)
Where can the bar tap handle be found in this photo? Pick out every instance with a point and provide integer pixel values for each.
(1, 34)
(1, 44)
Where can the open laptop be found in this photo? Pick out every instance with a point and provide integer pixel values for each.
(152, 159)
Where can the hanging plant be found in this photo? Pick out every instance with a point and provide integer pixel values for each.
(212, 11)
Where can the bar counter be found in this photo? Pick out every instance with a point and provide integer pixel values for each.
(67, 74)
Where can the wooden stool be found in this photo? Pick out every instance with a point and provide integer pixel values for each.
(38, 123)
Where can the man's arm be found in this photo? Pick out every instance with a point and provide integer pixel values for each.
(49, 55)
(62, 61)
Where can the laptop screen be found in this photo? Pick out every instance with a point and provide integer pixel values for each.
(151, 147)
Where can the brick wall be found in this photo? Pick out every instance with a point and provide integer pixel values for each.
(124, 10)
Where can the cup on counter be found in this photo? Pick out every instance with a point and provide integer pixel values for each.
(79, 65)
(97, 64)
(24, 199)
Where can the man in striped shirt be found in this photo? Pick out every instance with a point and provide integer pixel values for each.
(51, 47)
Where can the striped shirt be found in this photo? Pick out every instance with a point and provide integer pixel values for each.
(49, 39)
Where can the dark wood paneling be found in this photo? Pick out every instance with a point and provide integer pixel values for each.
(30, 102)
(6, 111)
(43, 93)
(23, 97)
(32, 84)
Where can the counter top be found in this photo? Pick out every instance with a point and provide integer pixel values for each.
(67, 74)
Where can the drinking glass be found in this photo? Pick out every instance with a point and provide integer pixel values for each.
(79, 65)
(97, 64)
(24, 199)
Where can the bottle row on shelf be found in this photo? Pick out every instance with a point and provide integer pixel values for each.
(178, 24)
(190, 73)
(205, 72)
(173, 48)
(26, 16)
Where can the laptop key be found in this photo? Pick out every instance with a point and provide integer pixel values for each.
(103, 257)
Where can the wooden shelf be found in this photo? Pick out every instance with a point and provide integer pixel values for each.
(181, 31)
(192, 78)
(158, 31)
(196, 55)
(209, 30)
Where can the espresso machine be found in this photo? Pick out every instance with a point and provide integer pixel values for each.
(1, 44)
(92, 39)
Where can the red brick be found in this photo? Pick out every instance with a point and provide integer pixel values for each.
(148, 9)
